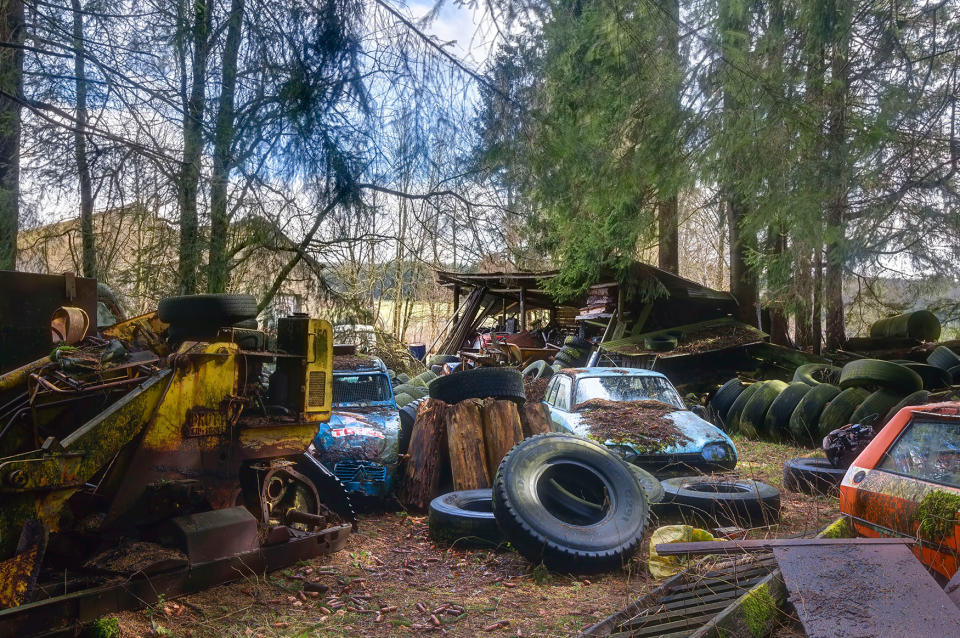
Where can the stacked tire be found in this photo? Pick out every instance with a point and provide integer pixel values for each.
(947, 360)
(574, 354)
(200, 317)
(822, 398)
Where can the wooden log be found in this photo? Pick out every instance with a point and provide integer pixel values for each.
(427, 454)
(501, 430)
(535, 419)
(465, 443)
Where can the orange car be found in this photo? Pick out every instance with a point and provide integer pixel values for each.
(906, 482)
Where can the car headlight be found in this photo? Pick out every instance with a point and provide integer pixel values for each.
(625, 452)
(715, 452)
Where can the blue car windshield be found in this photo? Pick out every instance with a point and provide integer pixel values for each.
(627, 388)
(359, 389)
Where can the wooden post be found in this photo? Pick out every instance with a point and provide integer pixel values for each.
(465, 442)
(456, 300)
(501, 430)
(535, 419)
(523, 310)
(427, 454)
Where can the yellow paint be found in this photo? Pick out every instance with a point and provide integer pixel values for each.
(15, 577)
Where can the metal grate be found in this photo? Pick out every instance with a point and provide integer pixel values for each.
(317, 389)
(348, 471)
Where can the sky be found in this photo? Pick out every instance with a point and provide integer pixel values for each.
(468, 27)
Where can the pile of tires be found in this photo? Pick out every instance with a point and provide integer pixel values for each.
(200, 317)
(822, 398)
(574, 354)
(412, 388)
(947, 360)
(920, 324)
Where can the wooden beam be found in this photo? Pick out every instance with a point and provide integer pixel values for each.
(767, 544)
(523, 310)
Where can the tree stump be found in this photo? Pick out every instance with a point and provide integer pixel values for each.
(535, 419)
(427, 454)
(465, 442)
(501, 430)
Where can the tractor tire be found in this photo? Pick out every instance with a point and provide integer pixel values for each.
(916, 398)
(754, 414)
(944, 358)
(874, 374)
(725, 396)
(812, 475)
(875, 407)
(817, 373)
(732, 422)
(408, 416)
(546, 526)
(838, 411)
(934, 378)
(222, 310)
(806, 416)
(465, 518)
(742, 501)
(479, 383)
(777, 421)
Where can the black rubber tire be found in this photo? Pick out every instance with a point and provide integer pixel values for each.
(754, 414)
(875, 407)
(806, 416)
(440, 359)
(875, 373)
(742, 501)
(538, 370)
(725, 396)
(916, 398)
(944, 358)
(437, 369)
(777, 422)
(817, 373)
(811, 475)
(652, 488)
(838, 411)
(223, 310)
(580, 343)
(732, 422)
(954, 375)
(465, 518)
(408, 415)
(526, 505)
(562, 359)
(934, 378)
(479, 383)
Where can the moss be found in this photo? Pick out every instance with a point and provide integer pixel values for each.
(103, 628)
(758, 609)
(840, 528)
(937, 515)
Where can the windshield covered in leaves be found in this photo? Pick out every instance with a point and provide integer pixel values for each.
(627, 388)
(360, 389)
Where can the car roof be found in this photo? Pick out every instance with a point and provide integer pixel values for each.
(609, 372)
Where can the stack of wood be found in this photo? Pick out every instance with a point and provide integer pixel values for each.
(601, 299)
(466, 441)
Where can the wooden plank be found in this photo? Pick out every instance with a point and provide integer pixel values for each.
(465, 442)
(766, 544)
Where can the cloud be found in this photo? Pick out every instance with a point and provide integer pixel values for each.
(469, 28)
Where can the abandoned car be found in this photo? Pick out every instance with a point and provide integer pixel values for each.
(692, 444)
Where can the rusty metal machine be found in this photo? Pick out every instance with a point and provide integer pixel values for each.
(132, 466)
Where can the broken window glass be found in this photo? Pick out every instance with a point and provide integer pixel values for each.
(929, 450)
(627, 388)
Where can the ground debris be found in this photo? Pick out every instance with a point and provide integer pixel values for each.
(714, 338)
(535, 389)
(641, 423)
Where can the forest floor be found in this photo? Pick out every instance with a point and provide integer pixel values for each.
(392, 564)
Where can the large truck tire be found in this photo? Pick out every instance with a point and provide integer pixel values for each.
(479, 383)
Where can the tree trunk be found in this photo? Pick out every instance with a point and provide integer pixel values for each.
(668, 246)
(89, 251)
(668, 213)
(427, 454)
(218, 267)
(779, 329)
(189, 178)
(535, 419)
(818, 301)
(803, 291)
(501, 430)
(11, 83)
(465, 433)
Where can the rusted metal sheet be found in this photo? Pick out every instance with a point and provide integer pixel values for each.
(865, 590)
(766, 544)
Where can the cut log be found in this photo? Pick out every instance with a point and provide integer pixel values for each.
(465, 442)
(535, 419)
(427, 454)
(501, 430)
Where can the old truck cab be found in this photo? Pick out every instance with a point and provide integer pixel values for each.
(906, 482)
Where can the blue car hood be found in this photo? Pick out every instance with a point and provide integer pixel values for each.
(697, 431)
(368, 434)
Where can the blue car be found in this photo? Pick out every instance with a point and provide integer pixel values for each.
(359, 443)
(703, 447)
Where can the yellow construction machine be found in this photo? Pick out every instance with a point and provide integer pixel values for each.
(159, 456)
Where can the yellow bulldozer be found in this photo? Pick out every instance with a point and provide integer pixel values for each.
(161, 455)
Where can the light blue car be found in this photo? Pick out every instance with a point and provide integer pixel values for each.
(704, 447)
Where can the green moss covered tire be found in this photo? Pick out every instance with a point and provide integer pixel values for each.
(537, 370)
(754, 414)
(876, 373)
(777, 421)
(944, 358)
(934, 378)
(402, 399)
(817, 373)
(806, 416)
(841, 407)
(545, 526)
(479, 383)
(732, 422)
(875, 407)
(724, 397)
(465, 518)
(916, 398)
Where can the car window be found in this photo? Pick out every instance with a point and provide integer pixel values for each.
(562, 400)
(627, 388)
(360, 388)
(928, 449)
(551, 392)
